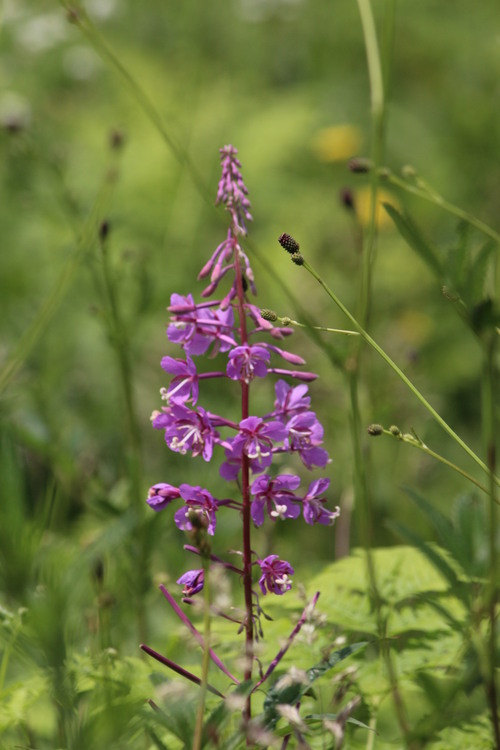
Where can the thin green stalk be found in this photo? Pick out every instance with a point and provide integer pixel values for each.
(491, 590)
(48, 308)
(284, 321)
(371, 735)
(377, 149)
(78, 16)
(417, 443)
(365, 511)
(432, 197)
(372, 56)
(397, 370)
(119, 337)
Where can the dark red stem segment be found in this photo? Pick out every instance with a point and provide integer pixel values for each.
(245, 484)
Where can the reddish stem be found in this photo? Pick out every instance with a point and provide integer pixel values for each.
(245, 487)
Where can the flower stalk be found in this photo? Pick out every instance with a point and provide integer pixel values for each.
(253, 447)
(397, 370)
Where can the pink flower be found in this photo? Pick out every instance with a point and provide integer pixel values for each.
(247, 362)
(275, 577)
(160, 495)
(192, 581)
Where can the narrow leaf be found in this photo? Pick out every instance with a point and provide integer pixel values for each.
(409, 231)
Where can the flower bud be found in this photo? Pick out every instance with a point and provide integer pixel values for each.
(409, 172)
(288, 243)
(375, 429)
(347, 198)
(297, 259)
(360, 165)
(394, 430)
(269, 315)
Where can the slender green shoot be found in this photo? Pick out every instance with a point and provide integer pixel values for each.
(397, 370)
(51, 304)
(415, 442)
(490, 432)
(422, 190)
(285, 321)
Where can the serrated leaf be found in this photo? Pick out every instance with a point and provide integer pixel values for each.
(416, 240)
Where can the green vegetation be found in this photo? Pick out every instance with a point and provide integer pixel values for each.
(110, 125)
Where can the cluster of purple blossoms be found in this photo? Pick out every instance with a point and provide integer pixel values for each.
(251, 447)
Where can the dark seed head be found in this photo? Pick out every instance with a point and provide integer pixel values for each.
(288, 243)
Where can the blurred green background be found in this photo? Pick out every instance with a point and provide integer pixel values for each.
(286, 82)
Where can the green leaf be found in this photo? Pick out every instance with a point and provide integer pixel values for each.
(476, 276)
(470, 530)
(475, 734)
(463, 537)
(458, 258)
(410, 232)
(403, 573)
(431, 553)
(290, 691)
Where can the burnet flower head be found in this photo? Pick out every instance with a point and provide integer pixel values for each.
(249, 449)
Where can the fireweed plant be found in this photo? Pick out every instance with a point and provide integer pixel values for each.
(248, 450)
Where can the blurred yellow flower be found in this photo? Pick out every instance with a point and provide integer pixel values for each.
(363, 203)
(337, 142)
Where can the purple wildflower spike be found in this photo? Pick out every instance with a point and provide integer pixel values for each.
(232, 191)
(250, 444)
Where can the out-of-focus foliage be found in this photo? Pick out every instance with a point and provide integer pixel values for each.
(286, 82)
